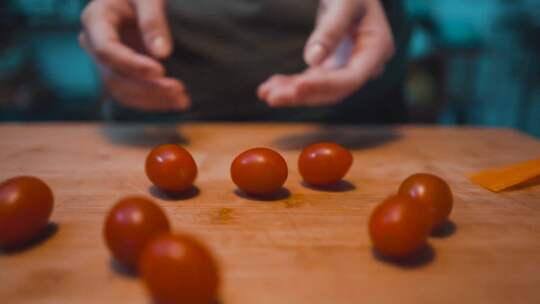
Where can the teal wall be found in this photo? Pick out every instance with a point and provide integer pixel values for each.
(494, 70)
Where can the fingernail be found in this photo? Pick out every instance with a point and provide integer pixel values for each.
(315, 54)
(273, 98)
(158, 45)
(269, 99)
(262, 92)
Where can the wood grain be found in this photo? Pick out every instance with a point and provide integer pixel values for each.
(309, 247)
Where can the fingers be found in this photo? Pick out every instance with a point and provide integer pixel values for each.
(153, 24)
(159, 94)
(321, 85)
(101, 21)
(143, 103)
(374, 30)
(310, 88)
(332, 26)
(278, 90)
(134, 79)
(265, 88)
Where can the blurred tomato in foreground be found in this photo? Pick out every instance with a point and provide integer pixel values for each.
(178, 269)
(130, 225)
(26, 203)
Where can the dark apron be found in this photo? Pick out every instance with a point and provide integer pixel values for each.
(224, 49)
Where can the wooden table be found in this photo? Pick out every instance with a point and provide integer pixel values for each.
(309, 247)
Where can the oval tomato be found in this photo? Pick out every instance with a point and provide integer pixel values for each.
(179, 269)
(399, 226)
(259, 171)
(171, 168)
(324, 163)
(433, 192)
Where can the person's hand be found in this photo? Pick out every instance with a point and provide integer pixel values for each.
(350, 45)
(126, 37)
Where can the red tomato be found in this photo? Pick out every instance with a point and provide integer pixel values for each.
(259, 171)
(399, 226)
(324, 163)
(130, 224)
(179, 269)
(26, 204)
(171, 168)
(431, 191)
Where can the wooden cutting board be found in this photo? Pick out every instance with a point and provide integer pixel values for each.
(308, 247)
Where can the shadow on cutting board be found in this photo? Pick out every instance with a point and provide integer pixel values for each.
(281, 194)
(528, 184)
(341, 186)
(446, 230)
(421, 258)
(45, 234)
(172, 196)
(140, 135)
(351, 137)
(122, 270)
(216, 301)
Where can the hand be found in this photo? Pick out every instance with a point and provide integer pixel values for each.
(126, 37)
(350, 45)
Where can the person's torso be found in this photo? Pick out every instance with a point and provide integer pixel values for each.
(224, 49)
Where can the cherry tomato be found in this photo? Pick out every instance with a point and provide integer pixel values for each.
(399, 226)
(171, 168)
(324, 163)
(259, 171)
(130, 224)
(431, 191)
(26, 203)
(178, 269)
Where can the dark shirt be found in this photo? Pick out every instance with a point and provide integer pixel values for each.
(224, 49)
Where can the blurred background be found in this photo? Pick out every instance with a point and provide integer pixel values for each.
(470, 62)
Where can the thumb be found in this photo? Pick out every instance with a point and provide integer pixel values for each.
(334, 20)
(154, 27)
